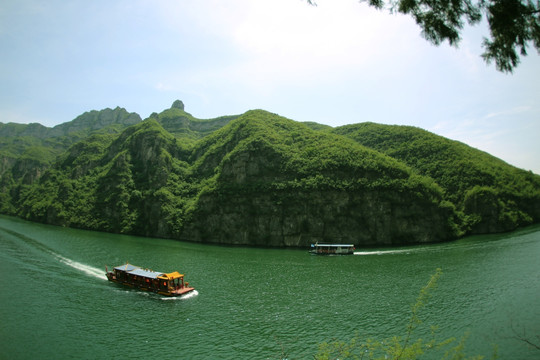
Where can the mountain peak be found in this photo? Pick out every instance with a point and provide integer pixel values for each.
(178, 104)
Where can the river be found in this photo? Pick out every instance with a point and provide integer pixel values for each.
(255, 303)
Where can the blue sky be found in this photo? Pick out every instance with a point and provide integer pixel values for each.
(338, 63)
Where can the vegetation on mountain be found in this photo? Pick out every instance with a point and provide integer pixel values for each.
(261, 179)
(42, 144)
(182, 124)
(490, 195)
(28, 150)
(277, 182)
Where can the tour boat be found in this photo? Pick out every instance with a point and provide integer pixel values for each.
(168, 284)
(332, 249)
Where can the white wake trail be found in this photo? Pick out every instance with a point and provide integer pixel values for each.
(87, 269)
(189, 295)
(382, 252)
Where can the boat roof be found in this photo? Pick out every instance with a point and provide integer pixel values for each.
(138, 271)
(126, 267)
(171, 276)
(146, 273)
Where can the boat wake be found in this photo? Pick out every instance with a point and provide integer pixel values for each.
(383, 252)
(87, 269)
(189, 295)
(44, 249)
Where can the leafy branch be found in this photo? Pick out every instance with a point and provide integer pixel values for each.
(513, 24)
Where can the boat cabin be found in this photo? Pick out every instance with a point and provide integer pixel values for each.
(332, 249)
(169, 284)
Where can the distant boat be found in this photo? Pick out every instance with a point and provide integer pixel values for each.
(168, 284)
(332, 249)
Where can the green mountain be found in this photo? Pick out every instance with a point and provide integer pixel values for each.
(261, 179)
(491, 195)
(182, 124)
(27, 151)
(34, 145)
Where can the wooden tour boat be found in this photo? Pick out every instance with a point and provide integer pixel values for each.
(168, 284)
(332, 249)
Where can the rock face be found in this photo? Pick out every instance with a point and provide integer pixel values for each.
(28, 170)
(178, 104)
(299, 219)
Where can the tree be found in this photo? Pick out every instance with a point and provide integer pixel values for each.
(513, 24)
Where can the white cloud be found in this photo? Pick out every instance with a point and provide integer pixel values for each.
(507, 133)
(509, 112)
(283, 42)
(288, 41)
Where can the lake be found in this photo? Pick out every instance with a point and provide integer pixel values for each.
(253, 303)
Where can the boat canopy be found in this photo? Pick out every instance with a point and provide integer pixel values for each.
(146, 273)
(137, 271)
(171, 276)
(126, 267)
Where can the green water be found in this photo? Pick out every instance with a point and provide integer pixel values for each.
(255, 303)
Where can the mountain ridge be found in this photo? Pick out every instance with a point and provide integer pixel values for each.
(468, 176)
(265, 180)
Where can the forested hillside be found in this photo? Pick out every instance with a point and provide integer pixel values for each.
(490, 195)
(30, 149)
(259, 179)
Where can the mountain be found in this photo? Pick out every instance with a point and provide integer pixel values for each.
(27, 151)
(106, 120)
(182, 124)
(490, 195)
(261, 179)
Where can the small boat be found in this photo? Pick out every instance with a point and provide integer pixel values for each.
(168, 284)
(332, 249)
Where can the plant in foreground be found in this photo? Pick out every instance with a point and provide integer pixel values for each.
(399, 347)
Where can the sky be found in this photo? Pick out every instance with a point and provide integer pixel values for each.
(340, 62)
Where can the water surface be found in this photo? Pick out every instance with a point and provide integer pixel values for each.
(256, 303)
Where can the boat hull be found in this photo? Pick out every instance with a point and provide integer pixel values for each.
(332, 249)
(330, 254)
